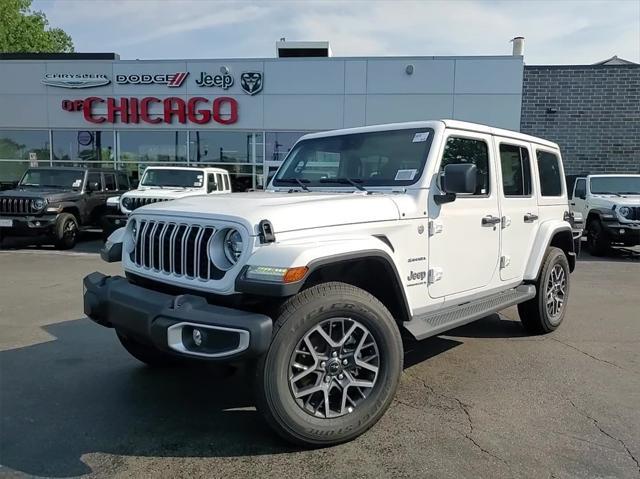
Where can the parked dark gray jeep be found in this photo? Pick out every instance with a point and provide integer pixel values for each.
(58, 202)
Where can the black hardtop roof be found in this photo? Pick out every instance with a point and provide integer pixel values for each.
(76, 168)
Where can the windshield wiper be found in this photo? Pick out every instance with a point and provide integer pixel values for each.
(300, 181)
(345, 181)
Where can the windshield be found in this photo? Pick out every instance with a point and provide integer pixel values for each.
(383, 158)
(51, 178)
(173, 178)
(629, 185)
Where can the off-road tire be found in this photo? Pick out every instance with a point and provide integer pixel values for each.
(534, 313)
(65, 231)
(296, 318)
(597, 238)
(147, 354)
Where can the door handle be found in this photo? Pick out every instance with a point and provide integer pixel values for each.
(490, 220)
(530, 218)
(573, 203)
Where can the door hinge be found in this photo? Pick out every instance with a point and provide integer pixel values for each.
(435, 274)
(505, 261)
(435, 227)
(506, 221)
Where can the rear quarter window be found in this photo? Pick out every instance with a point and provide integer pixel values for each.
(549, 173)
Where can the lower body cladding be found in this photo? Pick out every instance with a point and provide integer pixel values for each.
(183, 325)
(110, 223)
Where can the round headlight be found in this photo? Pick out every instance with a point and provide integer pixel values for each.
(625, 211)
(127, 202)
(232, 245)
(38, 204)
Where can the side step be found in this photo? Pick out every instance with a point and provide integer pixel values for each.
(436, 322)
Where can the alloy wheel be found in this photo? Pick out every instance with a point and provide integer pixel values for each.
(334, 367)
(555, 293)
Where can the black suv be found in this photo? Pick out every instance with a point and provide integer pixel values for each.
(58, 202)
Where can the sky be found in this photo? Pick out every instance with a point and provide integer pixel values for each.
(556, 31)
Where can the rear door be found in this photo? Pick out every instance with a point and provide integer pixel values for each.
(519, 206)
(464, 243)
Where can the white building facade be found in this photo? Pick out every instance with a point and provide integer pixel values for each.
(240, 114)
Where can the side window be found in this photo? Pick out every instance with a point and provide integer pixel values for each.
(549, 170)
(95, 178)
(468, 150)
(516, 170)
(123, 181)
(227, 186)
(581, 189)
(211, 183)
(110, 182)
(220, 182)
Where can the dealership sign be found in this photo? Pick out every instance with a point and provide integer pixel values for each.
(198, 110)
(75, 80)
(173, 80)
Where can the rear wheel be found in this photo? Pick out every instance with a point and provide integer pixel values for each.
(597, 238)
(544, 313)
(65, 231)
(333, 366)
(147, 354)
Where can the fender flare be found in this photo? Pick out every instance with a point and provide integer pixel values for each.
(546, 232)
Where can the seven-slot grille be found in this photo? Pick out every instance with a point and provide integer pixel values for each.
(136, 202)
(176, 248)
(635, 213)
(15, 205)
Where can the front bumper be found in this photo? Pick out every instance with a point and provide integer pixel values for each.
(110, 223)
(27, 225)
(626, 233)
(167, 322)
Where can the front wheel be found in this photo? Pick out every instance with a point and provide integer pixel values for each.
(597, 238)
(333, 366)
(65, 232)
(544, 313)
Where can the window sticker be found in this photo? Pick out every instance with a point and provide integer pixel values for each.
(405, 175)
(76, 184)
(420, 137)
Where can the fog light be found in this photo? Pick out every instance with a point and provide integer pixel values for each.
(37, 223)
(197, 337)
(621, 231)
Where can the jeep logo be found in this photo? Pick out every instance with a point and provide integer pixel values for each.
(419, 276)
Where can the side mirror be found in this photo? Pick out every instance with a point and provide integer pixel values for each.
(460, 178)
(212, 187)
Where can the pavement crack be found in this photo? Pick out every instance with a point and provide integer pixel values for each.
(597, 425)
(587, 354)
(464, 408)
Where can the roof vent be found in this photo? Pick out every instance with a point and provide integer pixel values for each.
(285, 49)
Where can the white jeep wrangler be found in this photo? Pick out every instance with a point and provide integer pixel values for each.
(165, 183)
(361, 234)
(610, 205)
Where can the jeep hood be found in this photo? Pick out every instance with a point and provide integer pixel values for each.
(52, 195)
(626, 200)
(285, 211)
(147, 192)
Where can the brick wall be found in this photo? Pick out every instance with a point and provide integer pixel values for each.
(592, 112)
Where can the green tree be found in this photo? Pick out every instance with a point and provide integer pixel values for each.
(25, 31)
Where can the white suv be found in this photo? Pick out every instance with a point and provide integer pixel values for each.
(610, 206)
(362, 233)
(165, 183)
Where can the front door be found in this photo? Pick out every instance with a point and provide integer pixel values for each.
(464, 236)
(519, 207)
(579, 198)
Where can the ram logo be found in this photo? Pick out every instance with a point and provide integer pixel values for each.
(251, 82)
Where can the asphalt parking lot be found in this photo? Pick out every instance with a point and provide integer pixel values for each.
(482, 401)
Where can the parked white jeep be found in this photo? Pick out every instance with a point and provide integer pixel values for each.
(610, 205)
(165, 183)
(361, 234)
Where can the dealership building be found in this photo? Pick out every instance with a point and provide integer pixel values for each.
(241, 114)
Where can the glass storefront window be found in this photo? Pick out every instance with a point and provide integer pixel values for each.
(83, 148)
(20, 149)
(279, 143)
(139, 149)
(207, 147)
